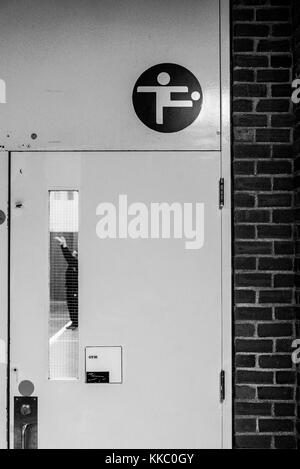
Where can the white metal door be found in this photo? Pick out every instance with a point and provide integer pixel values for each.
(158, 300)
(70, 68)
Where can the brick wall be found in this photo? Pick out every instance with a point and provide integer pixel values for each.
(263, 167)
(296, 48)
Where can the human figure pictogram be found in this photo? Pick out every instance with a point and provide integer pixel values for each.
(163, 95)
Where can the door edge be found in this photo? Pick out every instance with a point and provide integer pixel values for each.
(4, 304)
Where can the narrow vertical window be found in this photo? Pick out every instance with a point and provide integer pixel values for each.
(63, 285)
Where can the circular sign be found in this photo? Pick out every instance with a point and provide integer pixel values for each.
(167, 98)
(26, 388)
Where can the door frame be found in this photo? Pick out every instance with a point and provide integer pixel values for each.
(4, 303)
(227, 235)
(226, 256)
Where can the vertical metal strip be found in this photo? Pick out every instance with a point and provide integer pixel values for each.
(8, 297)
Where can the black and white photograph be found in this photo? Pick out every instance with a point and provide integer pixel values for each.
(149, 227)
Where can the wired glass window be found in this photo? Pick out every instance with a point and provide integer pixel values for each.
(63, 283)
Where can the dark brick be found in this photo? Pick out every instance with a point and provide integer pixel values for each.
(245, 361)
(253, 346)
(252, 216)
(274, 45)
(273, 105)
(272, 14)
(253, 183)
(244, 296)
(278, 393)
(250, 90)
(251, 29)
(254, 377)
(281, 61)
(275, 361)
(279, 329)
(284, 280)
(253, 280)
(244, 330)
(245, 392)
(243, 75)
(283, 216)
(275, 75)
(284, 248)
(253, 247)
(285, 313)
(274, 167)
(250, 120)
(253, 442)
(245, 425)
(281, 30)
(273, 135)
(274, 200)
(243, 45)
(244, 200)
(285, 442)
(274, 231)
(275, 264)
(253, 314)
(284, 410)
(253, 408)
(245, 263)
(283, 184)
(243, 14)
(242, 105)
(244, 134)
(251, 61)
(282, 120)
(275, 425)
(244, 167)
(283, 151)
(281, 91)
(284, 345)
(244, 232)
(251, 151)
(275, 296)
(286, 377)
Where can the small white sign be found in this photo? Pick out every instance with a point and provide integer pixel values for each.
(103, 364)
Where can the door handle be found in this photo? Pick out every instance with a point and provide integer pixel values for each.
(25, 427)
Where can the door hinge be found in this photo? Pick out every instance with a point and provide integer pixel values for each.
(221, 193)
(222, 386)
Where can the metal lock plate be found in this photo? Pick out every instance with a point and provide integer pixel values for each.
(25, 423)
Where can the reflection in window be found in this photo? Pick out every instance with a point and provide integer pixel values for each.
(63, 262)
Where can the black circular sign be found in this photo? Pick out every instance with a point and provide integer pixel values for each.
(167, 98)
